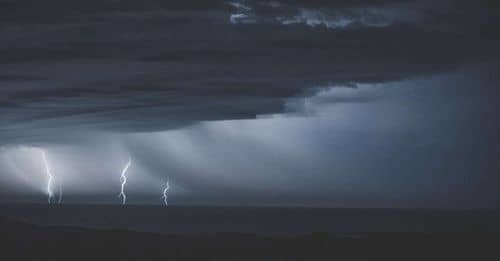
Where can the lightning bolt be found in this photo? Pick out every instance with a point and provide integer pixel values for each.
(123, 180)
(165, 190)
(60, 193)
(50, 177)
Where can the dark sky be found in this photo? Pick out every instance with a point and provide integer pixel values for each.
(312, 103)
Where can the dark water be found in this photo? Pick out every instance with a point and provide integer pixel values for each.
(285, 221)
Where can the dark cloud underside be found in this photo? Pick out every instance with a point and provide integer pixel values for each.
(156, 65)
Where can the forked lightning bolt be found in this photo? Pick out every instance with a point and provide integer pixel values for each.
(49, 174)
(165, 190)
(123, 180)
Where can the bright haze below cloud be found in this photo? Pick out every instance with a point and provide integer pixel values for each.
(311, 103)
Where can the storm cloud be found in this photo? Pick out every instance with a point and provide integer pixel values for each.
(124, 77)
(99, 65)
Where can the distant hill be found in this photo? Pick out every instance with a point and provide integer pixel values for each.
(23, 241)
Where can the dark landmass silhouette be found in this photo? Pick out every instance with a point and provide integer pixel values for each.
(20, 240)
(282, 221)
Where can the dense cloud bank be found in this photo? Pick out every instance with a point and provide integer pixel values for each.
(155, 65)
(329, 103)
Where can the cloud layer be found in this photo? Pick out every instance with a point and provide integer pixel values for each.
(125, 66)
(331, 103)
